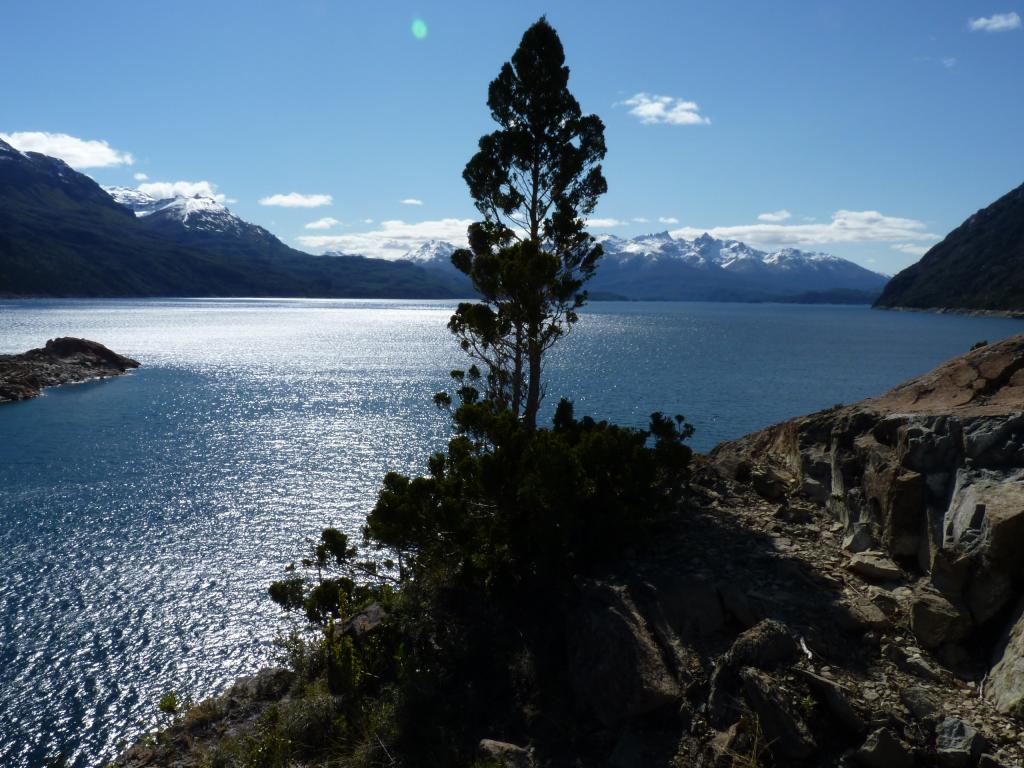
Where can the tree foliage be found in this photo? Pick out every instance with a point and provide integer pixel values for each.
(478, 561)
(535, 179)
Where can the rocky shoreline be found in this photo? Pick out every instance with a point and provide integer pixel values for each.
(1012, 314)
(65, 360)
(842, 589)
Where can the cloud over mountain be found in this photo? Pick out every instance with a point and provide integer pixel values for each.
(76, 152)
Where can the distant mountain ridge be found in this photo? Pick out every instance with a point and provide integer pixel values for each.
(661, 267)
(977, 266)
(61, 234)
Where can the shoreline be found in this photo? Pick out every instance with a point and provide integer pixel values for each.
(1010, 314)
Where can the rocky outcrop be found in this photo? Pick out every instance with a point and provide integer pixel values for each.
(62, 361)
(927, 479)
(196, 735)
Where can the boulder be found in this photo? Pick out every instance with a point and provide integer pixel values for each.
(1005, 685)
(935, 621)
(957, 744)
(874, 566)
(787, 734)
(766, 645)
(921, 702)
(616, 668)
(985, 525)
(771, 483)
(858, 538)
(835, 701)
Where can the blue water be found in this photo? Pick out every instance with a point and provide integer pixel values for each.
(141, 518)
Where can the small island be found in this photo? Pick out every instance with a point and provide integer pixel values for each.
(66, 360)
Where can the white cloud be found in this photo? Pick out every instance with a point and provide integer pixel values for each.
(367, 221)
(668, 220)
(911, 249)
(640, 220)
(78, 153)
(411, 201)
(161, 190)
(325, 223)
(140, 177)
(606, 223)
(845, 227)
(392, 239)
(652, 108)
(297, 200)
(774, 216)
(949, 62)
(998, 22)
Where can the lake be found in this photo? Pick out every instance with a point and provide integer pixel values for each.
(142, 518)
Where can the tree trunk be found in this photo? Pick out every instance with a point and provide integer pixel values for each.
(533, 390)
(517, 373)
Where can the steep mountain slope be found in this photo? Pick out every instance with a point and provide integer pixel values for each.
(979, 265)
(661, 267)
(61, 234)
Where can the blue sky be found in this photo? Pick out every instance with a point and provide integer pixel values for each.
(867, 129)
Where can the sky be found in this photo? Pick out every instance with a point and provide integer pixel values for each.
(865, 129)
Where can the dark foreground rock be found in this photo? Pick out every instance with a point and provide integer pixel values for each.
(62, 361)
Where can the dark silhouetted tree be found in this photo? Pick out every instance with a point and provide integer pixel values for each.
(535, 180)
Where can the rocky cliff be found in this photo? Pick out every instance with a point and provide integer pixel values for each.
(62, 361)
(927, 484)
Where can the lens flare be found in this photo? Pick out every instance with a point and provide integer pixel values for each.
(419, 29)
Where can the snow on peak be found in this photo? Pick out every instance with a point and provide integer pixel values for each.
(431, 250)
(139, 202)
(196, 212)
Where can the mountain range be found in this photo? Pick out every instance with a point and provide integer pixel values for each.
(979, 265)
(662, 267)
(61, 234)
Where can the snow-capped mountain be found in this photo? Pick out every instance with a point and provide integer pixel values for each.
(661, 267)
(196, 213)
(432, 252)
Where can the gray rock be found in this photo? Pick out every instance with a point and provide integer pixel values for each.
(990, 761)
(763, 646)
(882, 749)
(921, 702)
(1005, 686)
(771, 483)
(616, 668)
(874, 566)
(858, 538)
(835, 701)
(957, 744)
(985, 524)
(786, 732)
(504, 754)
(917, 666)
(935, 621)
(865, 615)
